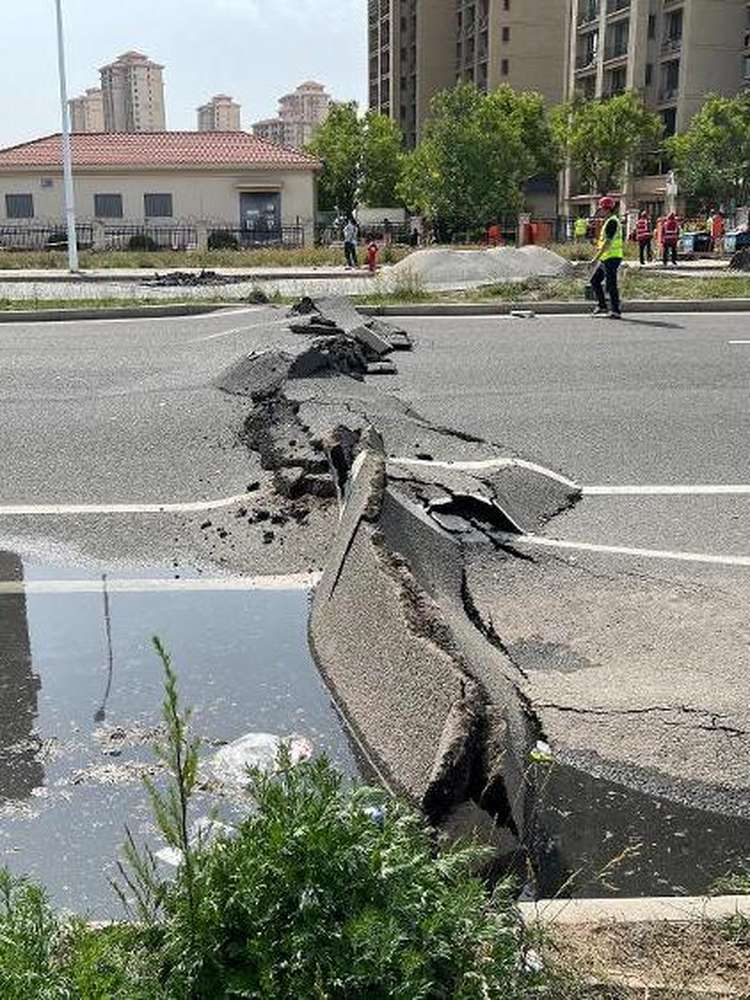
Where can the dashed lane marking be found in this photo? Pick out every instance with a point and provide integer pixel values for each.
(689, 557)
(739, 341)
(300, 581)
(50, 510)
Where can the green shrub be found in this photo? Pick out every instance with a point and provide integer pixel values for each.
(142, 241)
(222, 239)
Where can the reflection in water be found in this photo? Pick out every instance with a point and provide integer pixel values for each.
(20, 768)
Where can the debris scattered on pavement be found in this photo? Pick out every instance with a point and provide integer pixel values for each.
(191, 279)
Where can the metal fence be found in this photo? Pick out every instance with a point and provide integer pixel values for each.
(244, 237)
(47, 237)
(150, 238)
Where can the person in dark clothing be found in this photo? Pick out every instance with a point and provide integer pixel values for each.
(609, 257)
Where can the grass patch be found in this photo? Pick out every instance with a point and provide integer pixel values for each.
(174, 260)
(36, 305)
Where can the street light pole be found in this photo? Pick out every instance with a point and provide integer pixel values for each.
(67, 151)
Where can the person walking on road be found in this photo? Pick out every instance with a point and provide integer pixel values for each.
(670, 236)
(644, 235)
(350, 243)
(609, 257)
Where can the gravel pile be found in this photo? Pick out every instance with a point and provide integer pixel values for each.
(189, 279)
(452, 269)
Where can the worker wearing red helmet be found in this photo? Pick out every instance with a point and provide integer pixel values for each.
(609, 257)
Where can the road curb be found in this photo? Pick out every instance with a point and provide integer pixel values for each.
(554, 308)
(649, 909)
(125, 312)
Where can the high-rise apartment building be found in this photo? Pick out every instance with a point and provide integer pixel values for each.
(419, 47)
(133, 93)
(299, 115)
(412, 56)
(517, 42)
(673, 52)
(87, 111)
(221, 114)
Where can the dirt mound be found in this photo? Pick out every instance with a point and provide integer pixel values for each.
(443, 267)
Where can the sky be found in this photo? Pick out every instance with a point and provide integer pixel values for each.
(255, 50)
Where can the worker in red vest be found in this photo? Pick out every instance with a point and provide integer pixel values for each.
(670, 237)
(644, 235)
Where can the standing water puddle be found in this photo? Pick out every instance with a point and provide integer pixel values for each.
(80, 697)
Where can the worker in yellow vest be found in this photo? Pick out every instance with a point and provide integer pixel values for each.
(581, 229)
(609, 257)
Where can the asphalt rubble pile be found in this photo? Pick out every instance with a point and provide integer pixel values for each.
(191, 279)
(334, 340)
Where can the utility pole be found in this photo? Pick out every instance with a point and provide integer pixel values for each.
(67, 151)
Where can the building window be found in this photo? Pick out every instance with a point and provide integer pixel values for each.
(108, 206)
(157, 206)
(19, 206)
(504, 67)
(652, 26)
(649, 74)
(506, 34)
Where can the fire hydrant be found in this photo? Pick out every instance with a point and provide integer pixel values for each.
(372, 256)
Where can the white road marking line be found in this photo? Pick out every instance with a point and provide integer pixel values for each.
(485, 464)
(215, 314)
(49, 510)
(300, 581)
(690, 557)
(239, 329)
(667, 491)
(739, 341)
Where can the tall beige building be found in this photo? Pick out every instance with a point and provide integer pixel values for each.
(221, 114)
(419, 47)
(412, 56)
(133, 93)
(87, 111)
(299, 115)
(673, 52)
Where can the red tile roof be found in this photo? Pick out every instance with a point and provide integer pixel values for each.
(159, 149)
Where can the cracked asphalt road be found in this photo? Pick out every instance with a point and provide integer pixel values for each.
(636, 666)
(126, 411)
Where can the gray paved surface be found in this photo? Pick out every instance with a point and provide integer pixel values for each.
(125, 412)
(636, 667)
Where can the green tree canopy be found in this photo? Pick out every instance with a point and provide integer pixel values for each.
(712, 159)
(599, 138)
(338, 144)
(382, 156)
(361, 159)
(477, 152)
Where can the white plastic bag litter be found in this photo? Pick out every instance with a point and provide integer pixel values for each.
(229, 764)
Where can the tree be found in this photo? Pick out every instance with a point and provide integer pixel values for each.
(600, 138)
(477, 153)
(382, 155)
(338, 144)
(712, 159)
(361, 159)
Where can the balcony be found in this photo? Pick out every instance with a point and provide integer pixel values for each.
(617, 50)
(588, 13)
(586, 61)
(668, 95)
(672, 43)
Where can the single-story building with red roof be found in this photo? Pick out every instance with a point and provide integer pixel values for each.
(200, 181)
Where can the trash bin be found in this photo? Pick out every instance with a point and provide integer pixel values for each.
(742, 241)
